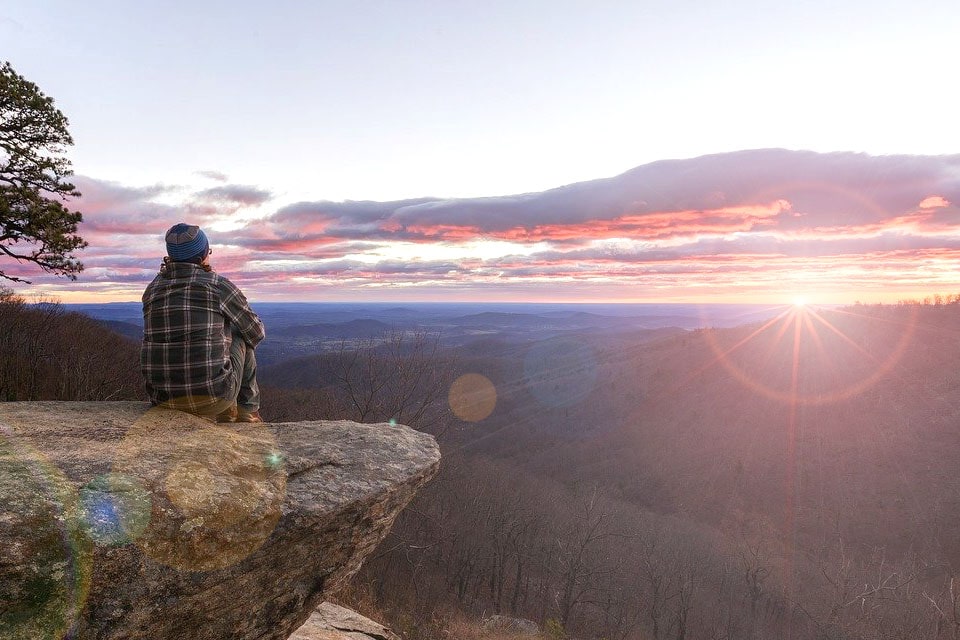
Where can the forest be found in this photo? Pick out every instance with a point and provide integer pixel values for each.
(794, 477)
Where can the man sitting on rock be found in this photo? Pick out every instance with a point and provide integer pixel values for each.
(199, 335)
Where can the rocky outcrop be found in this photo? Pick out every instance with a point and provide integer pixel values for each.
(333, 622)
(519, 626)
(123, 521)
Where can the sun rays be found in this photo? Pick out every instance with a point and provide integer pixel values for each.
(805, 358)
(819, 373)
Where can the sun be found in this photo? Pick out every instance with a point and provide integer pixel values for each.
(799, 301)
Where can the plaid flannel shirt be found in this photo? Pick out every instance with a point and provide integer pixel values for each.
(190, 315)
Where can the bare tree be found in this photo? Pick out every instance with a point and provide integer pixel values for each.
(48, 354)
(579, 572)
(946, 603)
(400, 376)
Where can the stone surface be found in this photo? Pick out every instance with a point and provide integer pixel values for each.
(333, 622)
(119, 520)
(520, 626)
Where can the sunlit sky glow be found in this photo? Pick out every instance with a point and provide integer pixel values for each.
(371, 150)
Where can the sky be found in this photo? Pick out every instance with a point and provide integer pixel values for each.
(509, 150)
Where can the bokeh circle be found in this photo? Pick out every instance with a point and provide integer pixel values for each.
(218, 490)
(472, 397)
(116, 509)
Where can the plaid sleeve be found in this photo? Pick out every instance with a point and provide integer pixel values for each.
(238, 313)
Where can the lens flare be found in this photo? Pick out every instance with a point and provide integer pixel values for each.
(116, 509)
(46, 567)
(807, 325)
(274, 459)
(472, 397)
(217, 490)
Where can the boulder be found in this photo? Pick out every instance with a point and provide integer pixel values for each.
(519, 626)
(121, 520)
(333, 622)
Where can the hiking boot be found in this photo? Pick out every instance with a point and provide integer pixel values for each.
(248, 416)
(228, 415)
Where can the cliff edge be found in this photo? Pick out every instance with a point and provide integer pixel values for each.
(119, 520)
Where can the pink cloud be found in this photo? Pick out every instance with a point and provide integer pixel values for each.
(934, 202)
(741, 221)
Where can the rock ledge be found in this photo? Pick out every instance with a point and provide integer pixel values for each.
(333, 622)
(124, 521)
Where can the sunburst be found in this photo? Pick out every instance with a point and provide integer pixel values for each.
(809, 327)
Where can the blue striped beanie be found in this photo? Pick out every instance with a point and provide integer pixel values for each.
(186, 242)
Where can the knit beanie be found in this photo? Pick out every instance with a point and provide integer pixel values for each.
(186, 242)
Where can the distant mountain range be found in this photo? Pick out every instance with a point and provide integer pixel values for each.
(296, 329)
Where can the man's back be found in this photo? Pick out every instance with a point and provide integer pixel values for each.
(191, 316)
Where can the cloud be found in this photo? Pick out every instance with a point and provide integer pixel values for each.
(110, 208)
(236, 194)
(934, 202)
(819, 188)
(9, 24)
(213, 175)
(105, 194)
(742, 222)
(720, 193)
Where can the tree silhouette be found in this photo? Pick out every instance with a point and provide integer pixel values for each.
(35, 226)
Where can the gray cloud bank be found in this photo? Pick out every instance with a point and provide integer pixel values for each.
(822, 190)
